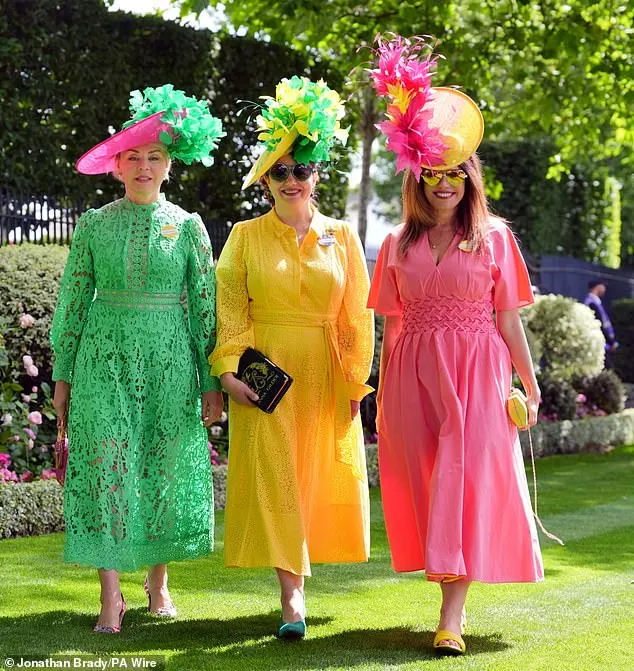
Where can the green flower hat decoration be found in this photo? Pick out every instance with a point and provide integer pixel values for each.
(303, 119)
(194, 132)
(164, 114)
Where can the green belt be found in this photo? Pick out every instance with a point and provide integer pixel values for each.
(138, 300)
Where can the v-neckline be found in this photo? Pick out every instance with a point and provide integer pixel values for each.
(446, 253)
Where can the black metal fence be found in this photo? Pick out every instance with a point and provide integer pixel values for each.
(39, 219)
(44, 220)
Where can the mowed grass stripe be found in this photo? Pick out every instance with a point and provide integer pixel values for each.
(586, 522)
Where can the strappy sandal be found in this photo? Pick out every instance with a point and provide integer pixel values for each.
(116, 629)
(166, 611)
(442, 645)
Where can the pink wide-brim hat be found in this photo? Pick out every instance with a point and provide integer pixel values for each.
(101, 158)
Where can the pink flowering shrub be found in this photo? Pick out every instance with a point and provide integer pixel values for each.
(27, 320)
(27, 421)
(216, 458)
(579, 398)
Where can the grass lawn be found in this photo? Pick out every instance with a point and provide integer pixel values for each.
(361, 616)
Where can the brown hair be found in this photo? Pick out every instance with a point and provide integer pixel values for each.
(472, 214)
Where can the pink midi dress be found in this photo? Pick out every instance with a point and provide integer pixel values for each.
(453, 484)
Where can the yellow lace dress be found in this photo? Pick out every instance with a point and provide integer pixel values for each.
(297, 487)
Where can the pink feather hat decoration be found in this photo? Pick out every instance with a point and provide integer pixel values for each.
(426, 127)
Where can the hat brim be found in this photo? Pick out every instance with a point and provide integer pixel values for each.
(101, 158)
(268, 158)
(460, 122)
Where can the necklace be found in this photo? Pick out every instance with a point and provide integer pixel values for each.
(442, 239)
(302, 234)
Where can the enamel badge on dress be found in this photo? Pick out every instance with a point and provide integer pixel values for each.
(169, 231)
(466, 246)
(328, 238)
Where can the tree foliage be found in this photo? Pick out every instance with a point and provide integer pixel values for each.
(550, 68)
(68, 67)
(547, 70)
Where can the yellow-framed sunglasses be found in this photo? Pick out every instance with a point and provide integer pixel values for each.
(455, 177)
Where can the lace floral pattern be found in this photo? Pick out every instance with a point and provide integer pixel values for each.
(138, 488)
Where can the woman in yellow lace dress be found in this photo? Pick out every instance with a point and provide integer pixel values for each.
(293, 284)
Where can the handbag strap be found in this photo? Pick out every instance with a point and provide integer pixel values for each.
(539, 522)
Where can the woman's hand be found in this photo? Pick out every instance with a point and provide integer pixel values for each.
(239, 392)
(212, 407)
(532, 403)
(61, 399)
(354, 408)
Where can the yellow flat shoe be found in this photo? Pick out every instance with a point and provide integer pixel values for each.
(444, 648)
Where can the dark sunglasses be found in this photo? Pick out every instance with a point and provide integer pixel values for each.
(279, 172)
(433, 177)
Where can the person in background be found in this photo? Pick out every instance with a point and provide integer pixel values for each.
(453, 485)
(131, 372)
(293, 284)
(596, 291)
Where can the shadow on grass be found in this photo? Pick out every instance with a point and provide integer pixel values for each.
(360, 647)
(238, 643)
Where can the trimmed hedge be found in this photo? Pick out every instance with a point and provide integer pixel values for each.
(31, 508)
(577, 435)
(220, 486)
(35, 508)
(564, 437)
(372, 459)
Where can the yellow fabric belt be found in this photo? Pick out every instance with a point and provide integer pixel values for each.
(344, 449)
(138, 300)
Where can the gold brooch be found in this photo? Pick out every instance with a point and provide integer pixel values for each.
(466, 246)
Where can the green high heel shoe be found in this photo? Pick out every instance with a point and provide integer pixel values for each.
(290, 631)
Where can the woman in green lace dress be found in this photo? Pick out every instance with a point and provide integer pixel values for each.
(130, 368)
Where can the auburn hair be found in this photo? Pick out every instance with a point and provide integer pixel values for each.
(472, 214)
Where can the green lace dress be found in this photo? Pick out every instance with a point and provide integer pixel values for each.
(138, 488)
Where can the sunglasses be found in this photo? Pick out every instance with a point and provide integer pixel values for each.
(280, 172)
(455, 177)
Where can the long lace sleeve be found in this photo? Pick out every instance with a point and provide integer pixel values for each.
(201, 295)
(76, 293)
(235, 329)
(355, 321)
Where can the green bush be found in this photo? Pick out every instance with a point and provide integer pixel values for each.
(622, 313)
(605, 391)
(568, 337)
(29, 282)
(31, 508)
(559, 399)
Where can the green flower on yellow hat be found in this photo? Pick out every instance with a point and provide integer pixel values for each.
(311, 110)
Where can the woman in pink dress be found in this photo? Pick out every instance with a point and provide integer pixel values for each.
(450, 282)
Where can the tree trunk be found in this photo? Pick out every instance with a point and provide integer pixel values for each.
(368, 133)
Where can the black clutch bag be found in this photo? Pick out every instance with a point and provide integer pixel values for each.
(266, 379)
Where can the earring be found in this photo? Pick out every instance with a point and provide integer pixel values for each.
(268, 195)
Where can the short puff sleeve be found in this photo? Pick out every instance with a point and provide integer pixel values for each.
(384, 295)
(512, 285)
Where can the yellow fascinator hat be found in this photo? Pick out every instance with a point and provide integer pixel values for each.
(426, 127)
(303, 119)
